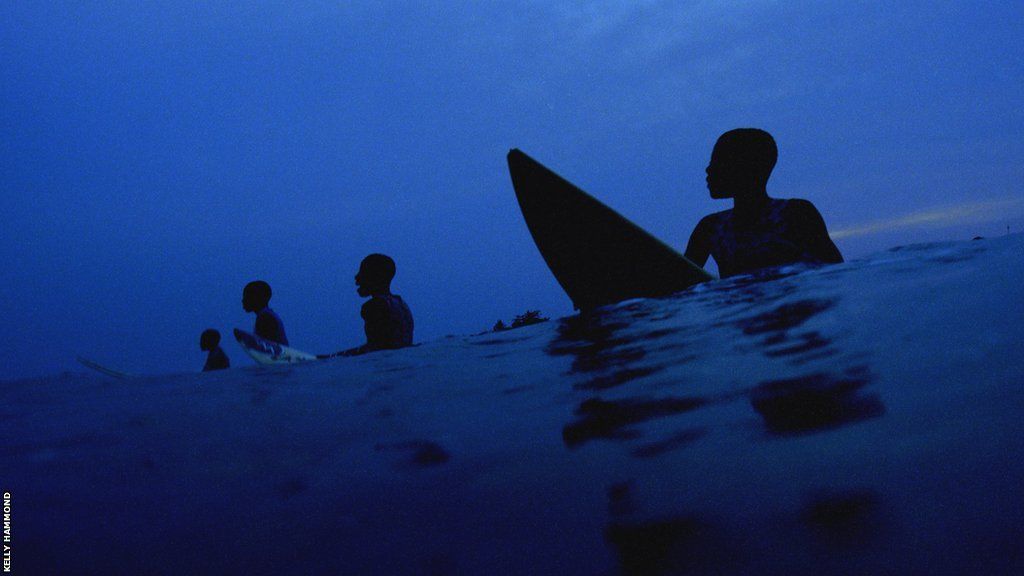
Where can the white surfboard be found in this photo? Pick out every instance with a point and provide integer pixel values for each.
(103, 369)
(269, 353)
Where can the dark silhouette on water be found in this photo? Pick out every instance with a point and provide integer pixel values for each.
(387, 319)
(209, 341)
(528, 318)
(256, 298)
(759, 231)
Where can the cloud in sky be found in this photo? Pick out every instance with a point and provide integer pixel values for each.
(968, 213)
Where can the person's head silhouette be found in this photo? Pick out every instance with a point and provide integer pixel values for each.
(256, 296)
(375, 274)
(741, 163)
(209, 340)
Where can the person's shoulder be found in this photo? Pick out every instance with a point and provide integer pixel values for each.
(803, 214)
(714, 218)
(710, 225)
(268, 315)
(374, 306)
(402, 303)
(798, 209)
(799, 205)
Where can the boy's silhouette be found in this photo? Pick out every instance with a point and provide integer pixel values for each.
(209, 341)
(256, 298)
(759, 231)
(387, 319)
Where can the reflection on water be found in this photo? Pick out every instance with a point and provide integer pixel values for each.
(617, 378)
(815, 402)
(673, 442)
(610, 419)
(420, 453)
(761, 327)
(684, 544)
(599, 350)
(844, 519)
(777, 335)
(784, 317)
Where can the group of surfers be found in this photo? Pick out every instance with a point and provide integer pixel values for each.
(757, 232)
(387, 319)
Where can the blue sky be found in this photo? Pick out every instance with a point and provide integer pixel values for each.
(157, 156)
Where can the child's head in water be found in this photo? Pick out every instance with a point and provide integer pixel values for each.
(741, 163)
(209, 340)
(375, 274)
(255, 296)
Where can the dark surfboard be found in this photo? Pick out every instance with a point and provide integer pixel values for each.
(597, 255)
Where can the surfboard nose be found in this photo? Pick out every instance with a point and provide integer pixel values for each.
(597, 255)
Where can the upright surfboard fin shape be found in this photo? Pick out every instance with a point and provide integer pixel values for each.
(597, 255)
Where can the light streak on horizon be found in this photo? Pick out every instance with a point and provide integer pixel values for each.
(961, 214)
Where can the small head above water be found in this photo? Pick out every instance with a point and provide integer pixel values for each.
(209, 340)
(741, 163)
(375, 274)
(256, 296)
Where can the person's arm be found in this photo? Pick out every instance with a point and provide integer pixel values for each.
(375, 325)
(265, 327)
(269, 327)
(699, 247)
(813, 233)
(373, 312)
(213, 362)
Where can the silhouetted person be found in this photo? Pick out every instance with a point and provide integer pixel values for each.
(209, 341)
(759, 231)
(387, 320)
(256, 298)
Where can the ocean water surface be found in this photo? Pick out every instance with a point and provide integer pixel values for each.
(852, 419)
